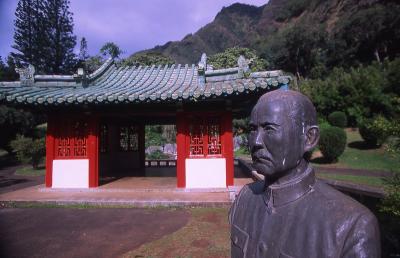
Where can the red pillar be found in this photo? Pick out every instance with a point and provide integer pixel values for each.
(50, 150)
(228, 147)
(181, 150)
(93, 151)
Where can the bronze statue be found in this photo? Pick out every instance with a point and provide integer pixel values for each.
(290, 213)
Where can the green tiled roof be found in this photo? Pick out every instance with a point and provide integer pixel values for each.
(114, 84)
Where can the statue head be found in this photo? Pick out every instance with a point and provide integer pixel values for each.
(283, 127)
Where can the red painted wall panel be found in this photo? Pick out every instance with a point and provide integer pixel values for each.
(93, 152)
(181, 150)
(228, 147)
(50, 148)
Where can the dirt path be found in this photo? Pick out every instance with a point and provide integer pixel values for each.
(350, 171)
(66, 232)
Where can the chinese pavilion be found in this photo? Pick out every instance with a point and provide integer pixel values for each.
(96, 122)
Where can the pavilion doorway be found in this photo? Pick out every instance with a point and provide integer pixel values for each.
(121, 149)
(160, 150)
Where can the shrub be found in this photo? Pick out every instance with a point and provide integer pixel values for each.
(375, 131)
(338, 118)
(391, 202)
(332, 142)
(29, 150)
(242, 151)
(13, 122)
(367, 133)
(394, 141)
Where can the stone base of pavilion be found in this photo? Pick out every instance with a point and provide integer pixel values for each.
(131, 192)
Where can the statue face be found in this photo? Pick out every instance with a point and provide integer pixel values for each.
(275, 139)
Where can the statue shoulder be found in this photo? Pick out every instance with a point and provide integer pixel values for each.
(246, 197)
(341, 200)
(252, 189)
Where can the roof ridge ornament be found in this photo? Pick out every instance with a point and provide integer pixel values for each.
(26, 75)
(202, 68)
(101, 69)
(81, 76)
(243, 66)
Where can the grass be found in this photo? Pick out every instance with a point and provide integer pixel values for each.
(205, 235)
(242, 152)
(363, 180)
(359, 156)
(29, 171)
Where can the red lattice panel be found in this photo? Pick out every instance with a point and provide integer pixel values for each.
(214, 140)
(71, 140)
(63, 147)
(80, 139)
(196, 139)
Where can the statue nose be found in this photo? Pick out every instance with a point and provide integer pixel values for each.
(259, 140)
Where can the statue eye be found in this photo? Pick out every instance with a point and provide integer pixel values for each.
(268, 128)
(252, 128)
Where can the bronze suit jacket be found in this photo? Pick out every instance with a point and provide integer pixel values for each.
(303, 218)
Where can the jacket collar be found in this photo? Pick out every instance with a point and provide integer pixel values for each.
(277, 195)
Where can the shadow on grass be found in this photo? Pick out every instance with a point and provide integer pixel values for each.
(8, 160)
(321, 160)
(4, 182)
(362, 145)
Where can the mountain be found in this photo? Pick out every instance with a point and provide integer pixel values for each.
(257, 27)
(232, 26)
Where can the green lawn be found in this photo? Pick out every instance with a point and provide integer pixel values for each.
(358, 156)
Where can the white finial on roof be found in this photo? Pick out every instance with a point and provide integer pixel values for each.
(202, 68)
(26, 75)
(203, 62)
(243, 65)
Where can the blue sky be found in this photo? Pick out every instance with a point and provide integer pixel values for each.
(132, 24)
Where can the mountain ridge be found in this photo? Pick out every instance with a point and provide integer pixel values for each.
(254, 27)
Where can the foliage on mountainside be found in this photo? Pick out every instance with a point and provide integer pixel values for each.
(304, 37)
(361, 92)
(229, 58)
(146, 59)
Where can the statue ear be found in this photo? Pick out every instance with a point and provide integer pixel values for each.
(312, 137)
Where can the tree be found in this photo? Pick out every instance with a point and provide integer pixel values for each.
(361, 92)
(7, 71)
(298, 49)
(378, 40)
(28, 150)
(30, 34)
(111, 49)
(13, 122)
(43, 36)
(11, 74)
(93, 63)
(83, 52)
(62, 41)
(2, 69)
(229, 58)
(147, 58)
